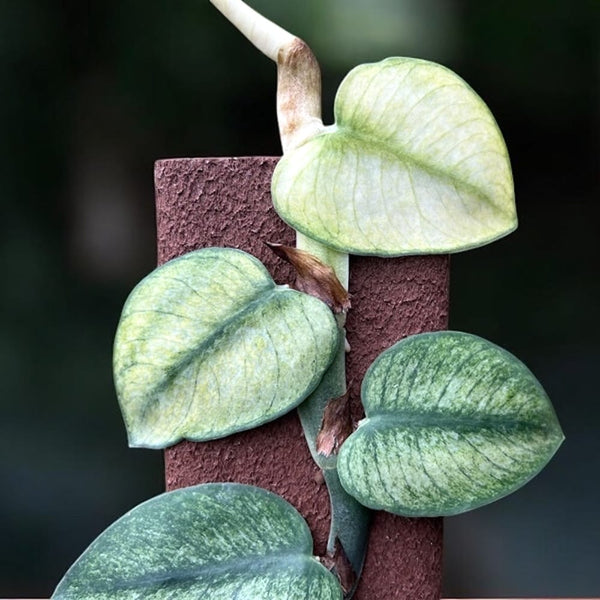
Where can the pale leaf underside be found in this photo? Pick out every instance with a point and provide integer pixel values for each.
(414, 164)
(208, 345)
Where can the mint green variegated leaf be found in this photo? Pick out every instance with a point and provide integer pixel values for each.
(453, 422)
(414, 164)
(208, 345)
(215, 541)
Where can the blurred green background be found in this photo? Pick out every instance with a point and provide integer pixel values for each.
(94, 92)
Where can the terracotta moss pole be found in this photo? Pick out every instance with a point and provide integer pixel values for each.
(226, 202)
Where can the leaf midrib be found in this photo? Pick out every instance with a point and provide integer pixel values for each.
(384, 420)
(261, 299)
(248, 565)
(402, 155)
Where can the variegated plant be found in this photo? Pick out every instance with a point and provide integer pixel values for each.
(453, 422)
(209, 345)
(217, 541)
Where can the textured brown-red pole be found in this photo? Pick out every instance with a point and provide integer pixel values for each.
(226, 202)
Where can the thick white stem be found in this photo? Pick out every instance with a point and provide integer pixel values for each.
(298, 73)
(268, 37)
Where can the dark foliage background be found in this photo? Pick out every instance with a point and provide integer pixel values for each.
(93, 92)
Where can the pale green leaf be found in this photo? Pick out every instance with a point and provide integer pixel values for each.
(414, 164)
(208, 345)
(453, 422)
(216, 541)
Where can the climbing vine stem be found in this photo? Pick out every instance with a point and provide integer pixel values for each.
(299, 119)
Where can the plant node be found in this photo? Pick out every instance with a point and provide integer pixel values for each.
(298, 94)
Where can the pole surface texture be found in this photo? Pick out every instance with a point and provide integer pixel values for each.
(226, 202)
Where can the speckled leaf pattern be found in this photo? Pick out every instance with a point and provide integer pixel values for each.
(414, 164)
(216, 541)
(453, 422)
(208, 345)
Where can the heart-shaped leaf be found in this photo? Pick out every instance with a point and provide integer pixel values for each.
(453, 422)
(414, 164)
(216, 541)
(208, 345)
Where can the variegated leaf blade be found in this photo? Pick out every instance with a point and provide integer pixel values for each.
(453, 422)
(415, 164)
(208, 345)
(217, 541)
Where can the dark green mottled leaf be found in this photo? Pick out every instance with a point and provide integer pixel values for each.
(453, 422)
(208, 345)
(215, 541)
(414, 164)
